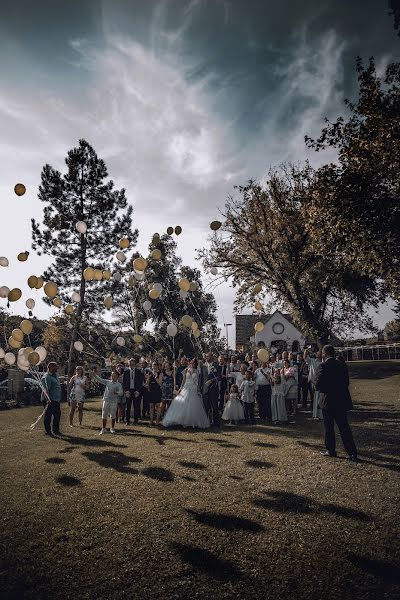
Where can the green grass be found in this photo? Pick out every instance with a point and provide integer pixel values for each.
(243, 513)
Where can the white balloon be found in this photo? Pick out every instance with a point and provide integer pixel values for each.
(183, 294)
(3, 261)
(146, 305)
(78, 346)
(4, 291)
(22, 366)
(213, 270)
(172, 329)
(158, 287)
(41, 350)
(81, 227)
(22, 361)
(139, 275)
(120, 341)
(30, 303)
(9, 358)
(2, 353)
(76, 297)
(121, 256)
(117, 276)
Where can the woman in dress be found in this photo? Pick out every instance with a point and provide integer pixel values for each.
(278, 408)
(167, 389)
(290, 386)
(187, 408)
(153, 384)
(78, 385)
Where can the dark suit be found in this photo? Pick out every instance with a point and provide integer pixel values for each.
(135, 388)
(223, 385)
(210, 392)
(332, 381)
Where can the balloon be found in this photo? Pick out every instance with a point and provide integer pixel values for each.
(69, 309)
(139, 275)
(88, 274)
(4, 291)
(26, 327)
(32, 281)
(120, 256)
(9, 358)
(186, 321)
(259, 326)
(170, 230)
(184, 284)
(18, 334)
(98, 274)
(196, 333)
(120, 341)
(19, 189)
(81, 227)
(106, 275)
(193, 286)
(41, 350)
(158, 287)
(140, 264)
(3, 261)
(23, 366)
(34, 358)
(124, 242)
(137, 338)
(154, 294)
(214, 271)
(2, 353)
(27, 351)
(257, 288)
(147, 305)
(23, 256)
(194, 325)
(172, 329)
(258, 306)
(57, 302)
(78, 346)
(76, 297)
(39, 283)
(178, 230)
(156, 254)
(215, 225)
(14, 295)
(108, 301)
(156, 239)
(13, 342)
(22, 362)
(117, 276)
(263, 355)
(183, 294)
(30, 303)
(51, 289)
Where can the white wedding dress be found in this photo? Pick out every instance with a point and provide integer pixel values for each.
(187, 407)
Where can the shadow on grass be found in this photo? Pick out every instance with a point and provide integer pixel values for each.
(222, 443)
(97, 441)
(192, 465)
(265, 445)
(289, 502)
(259, 464)
(55, 460)
(188, 478)
(236, 477)
(160, 439)
(68, 480)
(225, 522)
(388, 572)
(203, 561)
(67, 450)
(111, 459)
(159, 474)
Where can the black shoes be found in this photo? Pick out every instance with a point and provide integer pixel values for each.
(48, 433)
(329, 454)
(353, 458)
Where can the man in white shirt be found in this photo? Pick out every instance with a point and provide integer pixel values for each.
(247, 392)
(313, 364)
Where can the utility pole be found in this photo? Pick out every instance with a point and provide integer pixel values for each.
(227, 334)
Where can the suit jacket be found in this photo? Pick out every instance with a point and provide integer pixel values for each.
(332, 380)
(138, 380)
(205, 376)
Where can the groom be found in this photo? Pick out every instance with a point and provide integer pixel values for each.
(209, 388)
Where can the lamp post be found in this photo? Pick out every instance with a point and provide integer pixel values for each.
(226, 325)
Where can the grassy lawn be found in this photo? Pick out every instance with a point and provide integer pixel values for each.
(242, 513)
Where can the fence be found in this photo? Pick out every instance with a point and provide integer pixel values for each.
(378, 352)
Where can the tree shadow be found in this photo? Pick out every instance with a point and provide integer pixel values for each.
(265, 445)
(159, 474)
(259, 464)
(222, 443)
(188, 478)
(280, 501)
(55, 460)
(383, 570)
(99, 441)
(192, 465)
(236, 477)
(68, 480)
(160, 439)
(203, 561)
(225, 522)
(67, 450)
(111, 459)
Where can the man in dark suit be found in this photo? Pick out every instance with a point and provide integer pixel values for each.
(132, 384)
(209, 387)
(332, 381)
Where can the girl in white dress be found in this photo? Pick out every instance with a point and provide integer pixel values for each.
(78, 385)
(187, 408)
(233, 408)
(278, 407)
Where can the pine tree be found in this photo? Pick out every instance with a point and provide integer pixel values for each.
(83, 193)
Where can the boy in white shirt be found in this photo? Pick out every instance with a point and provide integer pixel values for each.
(248, 393)
(112, 395)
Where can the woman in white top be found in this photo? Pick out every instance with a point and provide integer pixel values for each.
(78, 385)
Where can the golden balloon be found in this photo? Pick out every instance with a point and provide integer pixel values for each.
(170, 230)
(263, 355)
(184, 284)
(258, 306)
(23, 256)
(69, 309)
(26, 326)
(186, 321)
(124, 243)
(14, 295)
(257, 288)
(156, 239)
(140, 264)
(88, 274)
(194, 326)
(40, 283)
(196, 333)
(193, 286)
(106, 275)
(215, 225)
(14, 343)
(156, 254)
(19, 189)
(51, 289)
(108, 301)
(27, 351)
(154, 294)
(178, 230)
(98, 275)
(32, 281)
(57, 302)
(33, 358)
(259, 326)
(137, 338)
(17, 334)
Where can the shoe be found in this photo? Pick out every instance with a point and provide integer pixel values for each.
(102, 430)
(327, 453)
(112, 430)
(57, 433)
(48, 433)
(353, 458)
(127, 422)
(136, 422)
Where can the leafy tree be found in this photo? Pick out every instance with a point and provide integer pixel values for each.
(265, 239)
(83, 193)
(392, 328)
(394, 11)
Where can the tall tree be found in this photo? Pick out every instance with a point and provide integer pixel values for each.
(83, 193)
(265, 239)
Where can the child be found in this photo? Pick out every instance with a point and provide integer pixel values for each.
(248, 393)
(233, 409)
(112, 395)
(278, 407)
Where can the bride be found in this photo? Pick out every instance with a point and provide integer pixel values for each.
(187, 408)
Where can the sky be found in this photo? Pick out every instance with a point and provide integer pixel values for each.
(182, 99)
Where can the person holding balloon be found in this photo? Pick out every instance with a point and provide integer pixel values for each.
(112, 395)
(78, 385)
(51, 398)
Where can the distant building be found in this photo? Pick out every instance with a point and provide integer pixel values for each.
(279, 332)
